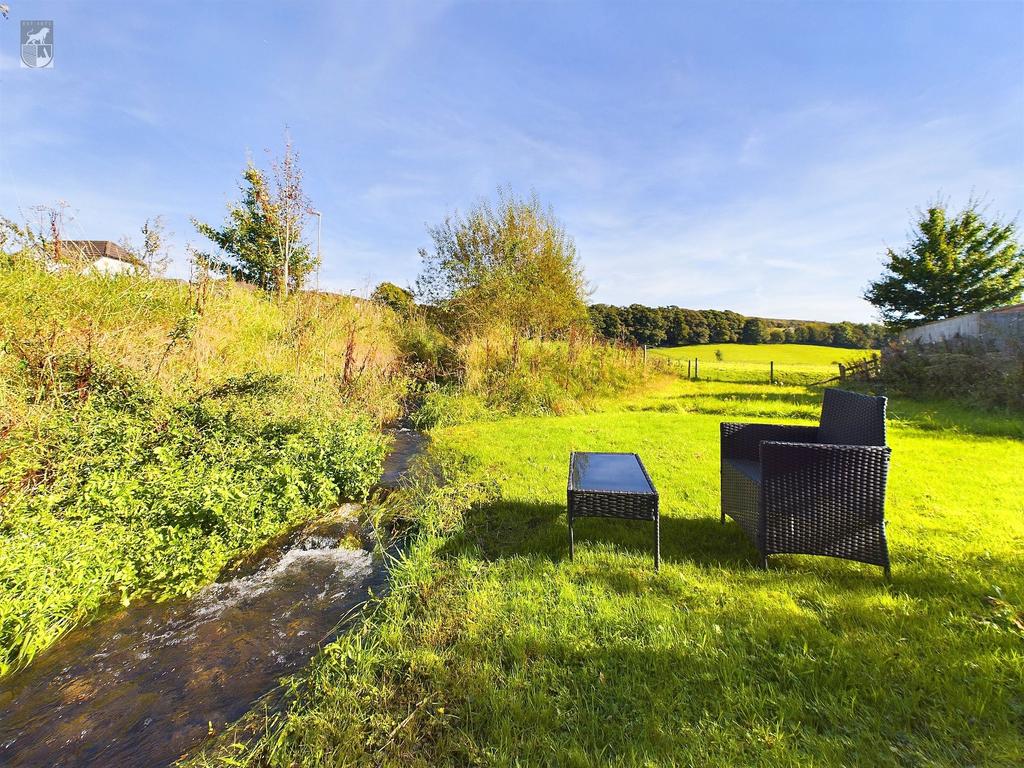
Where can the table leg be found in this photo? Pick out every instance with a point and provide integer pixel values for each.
(657, 542)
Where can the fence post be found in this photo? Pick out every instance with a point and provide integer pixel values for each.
(696, 373)
(771, 371)
(689, 369)
(645, 355)
(842, 372)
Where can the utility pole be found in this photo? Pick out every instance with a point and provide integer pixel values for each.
(319, 222)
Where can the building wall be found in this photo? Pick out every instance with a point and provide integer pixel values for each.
(109, 266)
(1004, 328)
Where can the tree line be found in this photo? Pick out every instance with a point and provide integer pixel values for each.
(674, 326)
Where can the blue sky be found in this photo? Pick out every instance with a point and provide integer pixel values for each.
(751, 156)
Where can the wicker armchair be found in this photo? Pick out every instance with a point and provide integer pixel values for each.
(812, 490)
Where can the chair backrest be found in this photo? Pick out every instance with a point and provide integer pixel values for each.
(848, 418)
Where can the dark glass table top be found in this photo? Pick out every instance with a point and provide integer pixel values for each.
(620, 472)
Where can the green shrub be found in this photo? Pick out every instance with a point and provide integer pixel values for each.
(117, 491)
(533, 376)
(961, 370)
(436, 494)
(427, 351)
(447, 406)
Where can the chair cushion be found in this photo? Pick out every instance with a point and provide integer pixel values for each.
(848, 418)
(750, 469)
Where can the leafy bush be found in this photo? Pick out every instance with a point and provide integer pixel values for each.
(531, 376)
(961, 370)
(437, 493)
(124, 492)
(447, 406)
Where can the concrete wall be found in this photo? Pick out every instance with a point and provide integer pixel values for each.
(1002, 327)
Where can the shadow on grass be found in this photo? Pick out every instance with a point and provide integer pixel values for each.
(510, 528)
(539, 531)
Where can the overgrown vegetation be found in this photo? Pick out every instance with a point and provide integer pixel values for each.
(494, 649)
(503, 374)
(964, 370)
(152, 430)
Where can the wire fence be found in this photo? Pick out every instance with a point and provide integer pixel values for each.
(793, 374)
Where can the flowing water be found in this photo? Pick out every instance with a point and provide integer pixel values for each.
(145, 684)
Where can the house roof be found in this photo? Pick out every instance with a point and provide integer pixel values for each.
(97, 249)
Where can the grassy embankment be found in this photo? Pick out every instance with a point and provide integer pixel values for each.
(495, 649)
(150, 431)
(794, 363)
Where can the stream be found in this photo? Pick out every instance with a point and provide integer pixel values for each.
(144, 685)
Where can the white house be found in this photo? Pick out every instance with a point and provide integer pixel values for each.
(103, 256)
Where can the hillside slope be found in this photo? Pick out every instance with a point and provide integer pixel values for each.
(151, 430)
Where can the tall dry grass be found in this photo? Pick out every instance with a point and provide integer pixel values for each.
(503, 373)
(337, 353)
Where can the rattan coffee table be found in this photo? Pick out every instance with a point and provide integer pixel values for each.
(612, 485)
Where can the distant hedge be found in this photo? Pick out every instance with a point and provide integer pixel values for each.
(674, 326)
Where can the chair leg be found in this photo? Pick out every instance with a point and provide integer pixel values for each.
(572, 546)
(887, 572)
(764, 562)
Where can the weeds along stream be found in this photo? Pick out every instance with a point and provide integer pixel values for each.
(147, 683)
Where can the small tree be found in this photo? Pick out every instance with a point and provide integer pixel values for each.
(261, 241)
(391, 295)
(508, 264)
(954, 265)
(153, 251)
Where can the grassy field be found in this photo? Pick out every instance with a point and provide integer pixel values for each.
(782, 354)
(796, 364)
(494, 649)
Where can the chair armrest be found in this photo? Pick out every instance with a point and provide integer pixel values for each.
(743, 441)
(824, 480)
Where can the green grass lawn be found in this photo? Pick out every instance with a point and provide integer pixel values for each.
(795, 364)
(495, 649)
(782, 354)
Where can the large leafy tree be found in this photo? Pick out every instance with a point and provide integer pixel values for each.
(261, 242)
(755, 331)
(507, 264)
(955, 264)
(646, 324)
